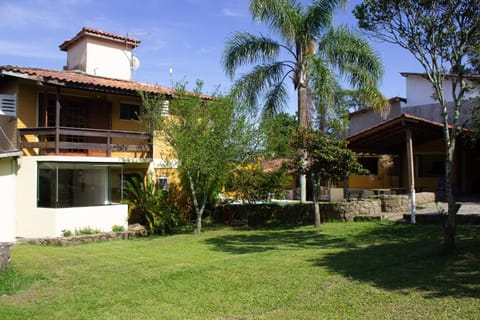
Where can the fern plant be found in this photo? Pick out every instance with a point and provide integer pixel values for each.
(149, 207)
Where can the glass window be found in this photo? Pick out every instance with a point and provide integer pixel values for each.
(369, 163)
(63, 185)
(129, 111)
(162, 183)
(430, 165)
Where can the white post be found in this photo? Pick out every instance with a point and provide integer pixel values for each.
(8, 169)
(411, 175)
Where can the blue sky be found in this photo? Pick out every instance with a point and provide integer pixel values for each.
(185, 35)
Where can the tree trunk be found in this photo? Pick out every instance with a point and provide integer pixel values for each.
(450, 226)
(303, 122)
(198, 224)
(316, 206)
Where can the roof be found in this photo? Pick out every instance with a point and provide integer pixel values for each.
(10, 154)
(389, 136)
(406, 74)
(365, 110)
(81, 80)
(99, 34)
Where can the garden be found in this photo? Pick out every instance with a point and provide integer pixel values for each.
(352, 270)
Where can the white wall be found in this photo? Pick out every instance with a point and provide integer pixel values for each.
(32, 222)
(108, 61)
(7, 192)
(420, 91)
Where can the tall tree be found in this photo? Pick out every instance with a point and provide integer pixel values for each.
(208, 137)
(439, 35)
(294, 56)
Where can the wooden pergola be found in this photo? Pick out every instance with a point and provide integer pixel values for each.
(396, 136)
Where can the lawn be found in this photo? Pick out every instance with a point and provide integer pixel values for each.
(363, 270)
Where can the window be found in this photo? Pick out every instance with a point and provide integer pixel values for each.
(162, 183)
(129, 111)
(64, 185)
(370, 163)
(430, 165)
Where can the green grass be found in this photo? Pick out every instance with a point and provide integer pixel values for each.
(367, 270)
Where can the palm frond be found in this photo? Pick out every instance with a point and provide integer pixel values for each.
(282, 16)
(251, 86)
(275, 99)
(245, 48)
(318, 17)
(344, 49)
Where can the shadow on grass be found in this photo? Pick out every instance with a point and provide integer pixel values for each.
(409, 258)
(256, 240)
(399, 257)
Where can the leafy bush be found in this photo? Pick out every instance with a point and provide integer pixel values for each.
(86, 230)
(66, 233)
(260, 214)
(117, 228)
(149, 206)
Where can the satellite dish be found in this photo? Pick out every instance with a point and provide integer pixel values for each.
(134, 63)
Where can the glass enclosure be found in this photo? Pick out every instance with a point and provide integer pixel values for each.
(66, 184)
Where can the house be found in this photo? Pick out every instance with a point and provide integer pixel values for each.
(77, 137)
(411, 134)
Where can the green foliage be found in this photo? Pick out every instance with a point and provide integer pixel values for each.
(277, 131)
(66, 233)
(117, 228)
(209, 137)
(254, 184)
(441, 36)
(148, 206)
(86, 231)
(307, 64)
(328, 157)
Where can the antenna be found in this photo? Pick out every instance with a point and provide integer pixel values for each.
(134, 61)
(170, 71)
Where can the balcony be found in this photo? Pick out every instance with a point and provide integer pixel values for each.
(84, 142)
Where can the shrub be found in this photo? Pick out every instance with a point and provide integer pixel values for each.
(117, 228)
(66, 233)
(86, 230)
(259, 214)
(149, 206)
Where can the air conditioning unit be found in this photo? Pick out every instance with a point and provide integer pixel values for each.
(8, 105)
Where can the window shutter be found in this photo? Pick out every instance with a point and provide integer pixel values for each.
(8, 105)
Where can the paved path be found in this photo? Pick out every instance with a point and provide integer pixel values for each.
(467, 207)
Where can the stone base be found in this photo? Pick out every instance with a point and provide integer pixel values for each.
(5, 251)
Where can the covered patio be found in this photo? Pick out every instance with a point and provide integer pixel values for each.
(418, 144)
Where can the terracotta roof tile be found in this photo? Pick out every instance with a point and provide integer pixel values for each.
(99, 34)
(72, 78)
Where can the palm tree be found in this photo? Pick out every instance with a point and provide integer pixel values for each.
(299, 29)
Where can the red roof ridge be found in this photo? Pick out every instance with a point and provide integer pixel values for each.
(133, 42)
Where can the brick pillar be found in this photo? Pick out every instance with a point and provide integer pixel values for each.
(5, 259)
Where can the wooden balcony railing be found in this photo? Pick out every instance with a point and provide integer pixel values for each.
(62, 140)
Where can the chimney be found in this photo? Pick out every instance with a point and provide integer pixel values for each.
(100, 53)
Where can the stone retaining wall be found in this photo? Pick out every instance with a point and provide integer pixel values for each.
(424, 197)
(5, 251)
(401, 203)
(63, 241)
(349, 210)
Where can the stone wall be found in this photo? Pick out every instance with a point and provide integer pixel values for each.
(5, 251)
(395, 203)
(424, 197)
(63, 241)
(349, 210)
